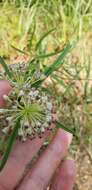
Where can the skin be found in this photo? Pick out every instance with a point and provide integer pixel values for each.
(47, 165)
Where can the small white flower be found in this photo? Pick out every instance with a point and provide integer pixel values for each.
(9, 119)
(42, 129)
(36, 93)
(21, 93)
(26, 124)
(48, 118)
(44, 99)
(38, 123)
(45, 125)
(20, 132)
(31, 93)
(14, 107)
(5, 130)
(39, 101)
(29, 131)
(43, 77)
(26, 85)
(49, 106)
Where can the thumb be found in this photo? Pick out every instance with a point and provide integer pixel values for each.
(5, 88)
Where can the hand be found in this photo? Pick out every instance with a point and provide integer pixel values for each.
(41, 173)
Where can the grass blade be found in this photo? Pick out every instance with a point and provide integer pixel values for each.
(32, 36)
(19, 50)
(6, 68)
(9, 145)
(37, 83)
(49, 70)
(48, 55)
(42, 38)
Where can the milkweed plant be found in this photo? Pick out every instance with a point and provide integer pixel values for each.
(30, 107)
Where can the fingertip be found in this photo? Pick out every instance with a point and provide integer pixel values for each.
(5, 88)
(64, 134)
(70, 167)
(65, 177)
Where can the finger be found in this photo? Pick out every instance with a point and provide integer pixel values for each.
(21, 155)
(65, 177)
(5, 88)
(44, 169)
(1, 188)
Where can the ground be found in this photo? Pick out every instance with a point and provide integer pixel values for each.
(84, 171)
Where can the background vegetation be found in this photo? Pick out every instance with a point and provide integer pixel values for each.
(23, 23)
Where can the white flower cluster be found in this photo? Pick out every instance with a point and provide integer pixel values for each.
(22, 97)
(29, 128)
(33, 129)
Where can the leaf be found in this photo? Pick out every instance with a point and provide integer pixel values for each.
(32, 3)
(42, 38)
(10, 144)
(32, 36)
(37, 83)
(56, 65)
(49, 70)
(41, 56)
(17, 49)
(6, 68)
(60, 125)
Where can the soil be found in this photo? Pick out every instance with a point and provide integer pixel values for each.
(84, 171)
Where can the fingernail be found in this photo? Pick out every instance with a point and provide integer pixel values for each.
(69, 137)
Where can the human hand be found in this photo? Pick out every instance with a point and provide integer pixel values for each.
(41, 173)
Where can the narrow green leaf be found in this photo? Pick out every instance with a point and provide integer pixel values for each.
(10, 144)
(42, 38)
(6, 68)
(29, 67)
(49, 70)
(60, 125)
(41, 56)
(32, 3)
(19, 50)
(37, 83)
(32, 36)
(56, 65)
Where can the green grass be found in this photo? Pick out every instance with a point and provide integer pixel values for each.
(22, 23)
